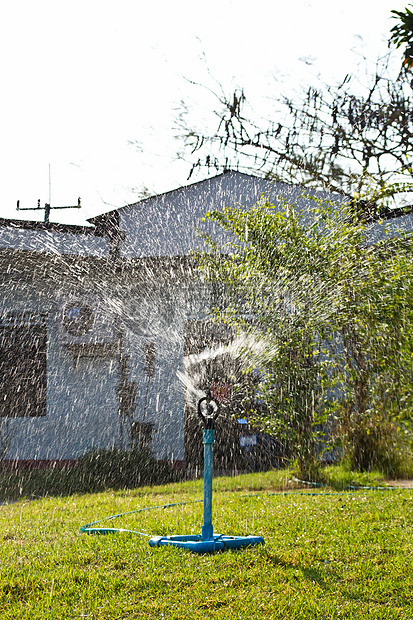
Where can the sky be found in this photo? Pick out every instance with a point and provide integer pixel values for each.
(90, 89)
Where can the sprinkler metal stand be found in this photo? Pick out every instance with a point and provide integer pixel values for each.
(208, 542)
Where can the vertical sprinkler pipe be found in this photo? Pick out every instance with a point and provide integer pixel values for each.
(208, 440)
(208, 411)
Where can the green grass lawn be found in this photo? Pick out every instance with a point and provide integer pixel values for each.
(328, 554)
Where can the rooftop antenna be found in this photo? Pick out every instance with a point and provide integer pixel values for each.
(48, 205)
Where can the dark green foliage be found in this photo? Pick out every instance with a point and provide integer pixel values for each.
(116, 469)
(374, 442)
(333, 317)
(97, 470)
(402, 34)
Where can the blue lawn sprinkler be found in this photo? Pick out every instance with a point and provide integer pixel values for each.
(207, 542)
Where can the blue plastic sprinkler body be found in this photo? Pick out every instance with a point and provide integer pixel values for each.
(208, 542)
(208, 441)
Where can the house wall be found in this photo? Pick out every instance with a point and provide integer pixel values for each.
(82, 398)
(50, 242)
(390, 228)
(166, 225)
(155, 310)
(148, 300)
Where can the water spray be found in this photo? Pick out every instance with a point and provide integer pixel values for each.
(207, 542)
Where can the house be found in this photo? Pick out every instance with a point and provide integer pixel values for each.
(95, 323)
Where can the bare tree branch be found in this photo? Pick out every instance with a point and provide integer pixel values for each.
(337, 138)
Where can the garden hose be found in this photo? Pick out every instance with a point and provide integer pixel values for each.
(90, 529)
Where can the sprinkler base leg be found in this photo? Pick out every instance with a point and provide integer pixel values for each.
(218, 542)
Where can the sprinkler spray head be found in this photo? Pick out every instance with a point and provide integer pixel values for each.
(208, 410)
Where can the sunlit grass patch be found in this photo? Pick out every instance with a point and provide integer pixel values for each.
(327, 554)
(40, 483)
(340, 477)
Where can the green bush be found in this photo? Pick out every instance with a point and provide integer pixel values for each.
(96, 471)
(376, 443)
(115, 469)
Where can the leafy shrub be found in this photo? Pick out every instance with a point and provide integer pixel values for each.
(376, 443)
(114, 468)
(96, 471)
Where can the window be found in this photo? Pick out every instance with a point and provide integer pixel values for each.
(23, 348)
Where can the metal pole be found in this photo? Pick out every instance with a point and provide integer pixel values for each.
(208, 440)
